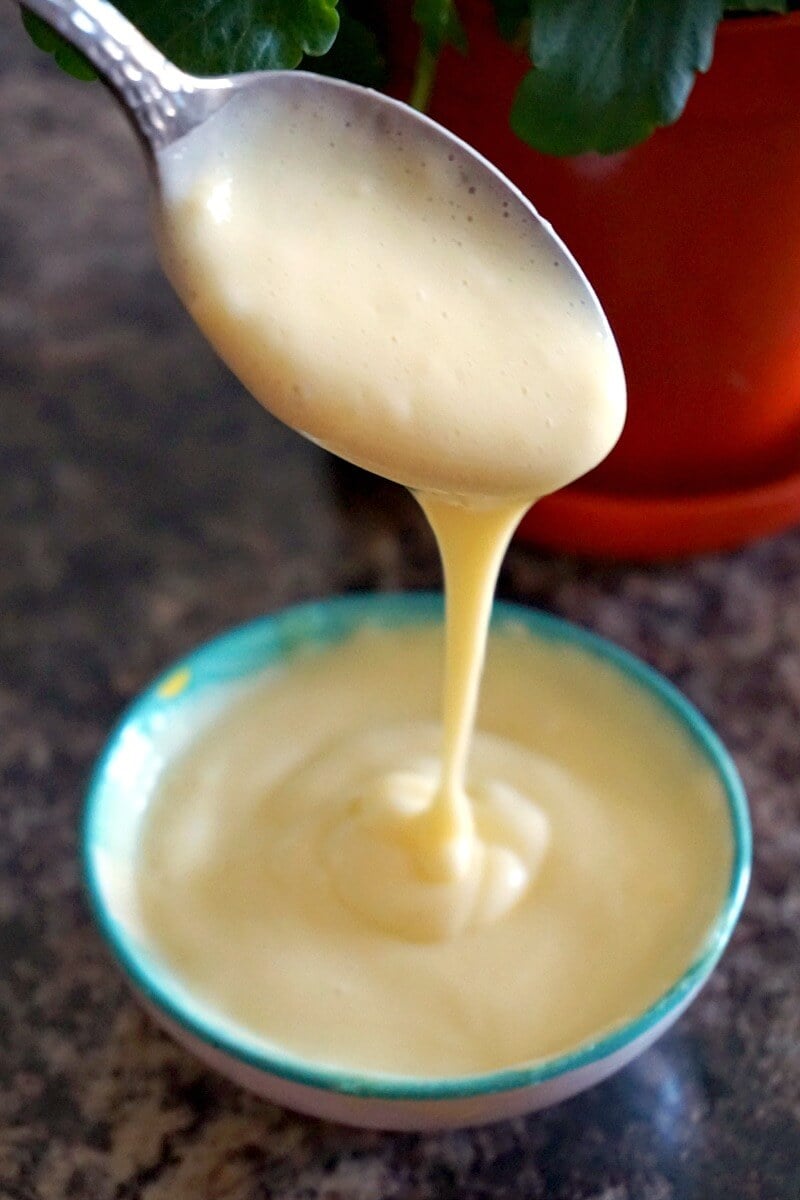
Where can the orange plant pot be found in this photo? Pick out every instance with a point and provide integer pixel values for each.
(692, 241)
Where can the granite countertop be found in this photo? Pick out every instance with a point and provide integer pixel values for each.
(145, 504)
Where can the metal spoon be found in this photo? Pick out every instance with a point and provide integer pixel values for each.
(162, 102)
(166, 104)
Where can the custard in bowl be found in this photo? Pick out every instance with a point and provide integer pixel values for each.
(245, 855)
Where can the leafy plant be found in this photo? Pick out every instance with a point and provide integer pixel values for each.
(608, 72)
(217, 37)
(604, 73)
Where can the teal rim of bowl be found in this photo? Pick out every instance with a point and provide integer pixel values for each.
(230, 657)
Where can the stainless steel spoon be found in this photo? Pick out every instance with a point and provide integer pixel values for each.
(166, 104)
(162, 102)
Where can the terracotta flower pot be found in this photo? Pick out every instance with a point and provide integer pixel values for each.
(692, 241)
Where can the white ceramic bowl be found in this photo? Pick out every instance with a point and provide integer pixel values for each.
(163, 719)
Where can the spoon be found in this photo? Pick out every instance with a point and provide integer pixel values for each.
(166, 104)
(237, 269)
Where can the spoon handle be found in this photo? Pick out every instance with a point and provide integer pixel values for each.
(162, 101)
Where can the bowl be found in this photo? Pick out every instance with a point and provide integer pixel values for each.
(163, 720)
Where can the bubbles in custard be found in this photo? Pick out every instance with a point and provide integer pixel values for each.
(378, 216)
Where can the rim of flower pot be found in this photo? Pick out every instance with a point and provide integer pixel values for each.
(597, 524)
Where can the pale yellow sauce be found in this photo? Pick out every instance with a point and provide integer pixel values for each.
(246, 893)
(384, 304)
(368, 298)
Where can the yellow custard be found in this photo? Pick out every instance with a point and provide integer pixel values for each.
(331, 866)
(244, 891)
(381, 302)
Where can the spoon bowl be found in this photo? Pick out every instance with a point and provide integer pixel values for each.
(166, 105)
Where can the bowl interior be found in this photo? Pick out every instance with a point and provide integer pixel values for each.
(169, 714)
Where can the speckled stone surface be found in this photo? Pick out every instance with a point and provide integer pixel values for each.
(146, 503)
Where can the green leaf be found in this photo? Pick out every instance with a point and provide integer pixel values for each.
(440, 25)
(355, 55)
(511, 17)
(609, 72)
(221, 37)
(71, 61)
